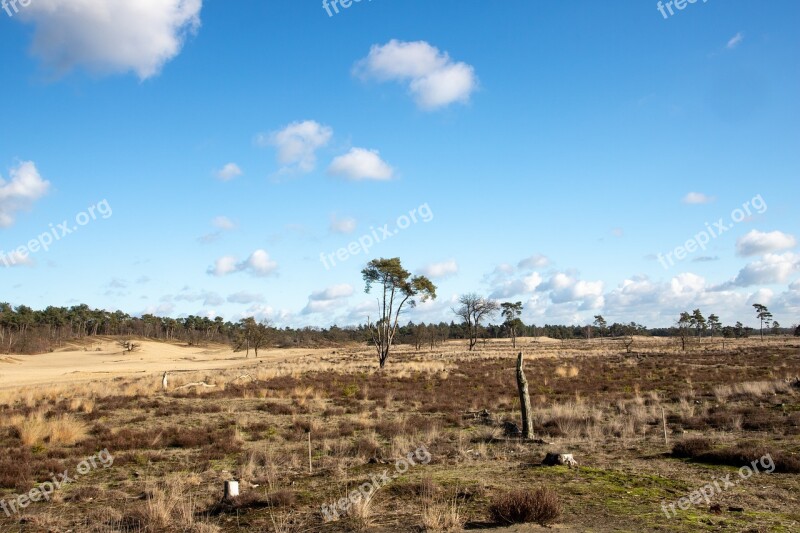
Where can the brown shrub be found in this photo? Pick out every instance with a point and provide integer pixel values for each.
(692, 447)
(541, 506)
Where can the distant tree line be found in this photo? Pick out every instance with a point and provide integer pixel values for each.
(24, 330)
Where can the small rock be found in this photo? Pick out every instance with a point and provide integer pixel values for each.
(556, 459)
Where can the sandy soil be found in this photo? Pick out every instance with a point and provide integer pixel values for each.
(106, 360)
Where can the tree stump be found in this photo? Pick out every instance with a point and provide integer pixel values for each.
(557, 459)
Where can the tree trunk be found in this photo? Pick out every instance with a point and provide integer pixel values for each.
(524, 401)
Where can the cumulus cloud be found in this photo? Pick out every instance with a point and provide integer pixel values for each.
(772, 268)
(697, 198)
(328, 299)
(297, 144)
(566, 289)
(258, 264)
(687, 283)
(22, 189)
(514, 287)
(342, 225)
(444, 269)
(110, 36)
(433, 78)
(361, 164)
(229, 171)
(756, 242)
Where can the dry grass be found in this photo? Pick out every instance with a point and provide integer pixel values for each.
(590, 399)
(442, 515)
(541, 506)
(35, 429)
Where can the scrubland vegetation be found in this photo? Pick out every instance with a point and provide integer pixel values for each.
(174, 449)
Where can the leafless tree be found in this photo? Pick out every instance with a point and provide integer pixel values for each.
(472, 311)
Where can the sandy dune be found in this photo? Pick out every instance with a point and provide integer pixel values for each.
(106, 359)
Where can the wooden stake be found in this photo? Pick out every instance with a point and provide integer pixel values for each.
(664, 420)
(310, 470)
(524, 401)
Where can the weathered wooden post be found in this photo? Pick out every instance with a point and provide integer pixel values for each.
(310, 467)
(524, 401)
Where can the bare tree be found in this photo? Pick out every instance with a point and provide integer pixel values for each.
(397, 288)
(472, 311)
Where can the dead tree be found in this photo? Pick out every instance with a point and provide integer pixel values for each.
(524, 401)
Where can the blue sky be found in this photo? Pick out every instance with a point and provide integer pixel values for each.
(555, 149)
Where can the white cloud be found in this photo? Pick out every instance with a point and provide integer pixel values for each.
(734, 41)
(534, 261)
(24, 187)
(207, 297)
(229, 171)
(328, 299)
(111, 35)
(342, 225)
(513, 287)
(244, 297)
(164, 309)
(223, 223)
(687, 283)
(434, 79)
(297, 144)
(440, 270)
(697, 198)
(14, 259)
(565, 289)
(258, 264)
(361, 164)
(756, 242)
(772, 268)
